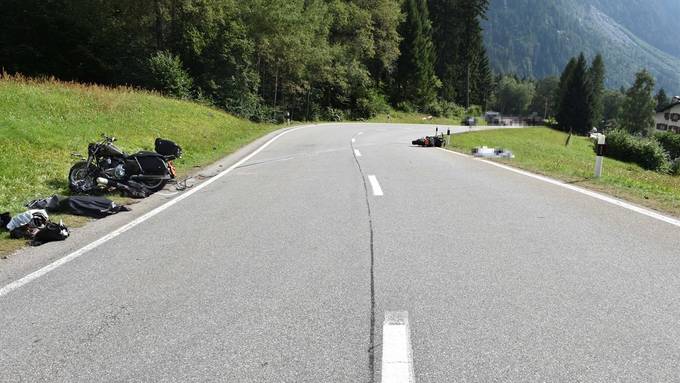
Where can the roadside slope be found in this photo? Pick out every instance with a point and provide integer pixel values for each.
(43, 122)
(543, 150)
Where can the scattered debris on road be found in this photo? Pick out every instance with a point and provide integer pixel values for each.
(486, 152)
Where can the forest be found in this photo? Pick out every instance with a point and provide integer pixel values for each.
(261, 59)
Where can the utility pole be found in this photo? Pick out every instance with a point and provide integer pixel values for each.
(468, 89)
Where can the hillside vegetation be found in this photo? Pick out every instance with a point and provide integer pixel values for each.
(43, 122)
(535, 38)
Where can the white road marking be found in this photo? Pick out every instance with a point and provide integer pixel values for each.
(360, 133)
(357, 153)
(377, 190)
(168, 194)
(354, 140)
(602, 197)
(70, 257)
(397, 355)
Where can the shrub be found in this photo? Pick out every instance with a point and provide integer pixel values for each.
(406, 107)
(675, 167)
(373, 104)
(670, 142)
(474, 110)
(333, 114)
(647, 153)
(168, 75)
(446, 109)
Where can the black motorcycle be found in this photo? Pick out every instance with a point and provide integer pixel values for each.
(106, 164)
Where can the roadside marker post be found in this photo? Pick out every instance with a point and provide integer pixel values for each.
(601, 145)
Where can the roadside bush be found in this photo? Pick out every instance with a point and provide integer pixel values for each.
(647, 153)
(474, 110)
(675, 167)
(670, 142)
(370, 106)
(169, 76)
(406, 107)
(446, 109)
(333, 114)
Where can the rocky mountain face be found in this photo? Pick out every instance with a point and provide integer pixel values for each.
(536, 38)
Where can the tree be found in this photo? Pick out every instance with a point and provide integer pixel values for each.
(415, 79)
(544, 102)
(462, 62)
(638, 108)
(596, 74)
(576, 94)
(613, 106)
(513, 96)
(662, 100)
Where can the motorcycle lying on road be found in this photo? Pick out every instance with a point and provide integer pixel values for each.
(106, 164)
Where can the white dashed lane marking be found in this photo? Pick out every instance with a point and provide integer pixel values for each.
(397, 355)
(377, 190)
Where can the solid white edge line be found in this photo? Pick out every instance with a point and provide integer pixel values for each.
(357, 153)
(397, 354)
(602, 197)
(68, 258)
(377, 190)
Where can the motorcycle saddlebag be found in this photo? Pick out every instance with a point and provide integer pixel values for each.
(168, 148)
(151, 163)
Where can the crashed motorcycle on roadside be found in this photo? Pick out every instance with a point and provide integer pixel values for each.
(108, 166)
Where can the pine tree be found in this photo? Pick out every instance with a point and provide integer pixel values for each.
(462, 61)
(596, 73)
(662, 99)
(415, 79)
(563, 115)
(576, 109)
(638, 108)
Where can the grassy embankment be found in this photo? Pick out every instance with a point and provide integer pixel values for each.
(543, 151)
(43, 122)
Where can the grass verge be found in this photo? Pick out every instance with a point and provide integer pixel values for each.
(543, 151)
(43, 121)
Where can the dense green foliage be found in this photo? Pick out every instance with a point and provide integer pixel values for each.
(257, 58)
(637, 116)
(647, 153)
(462, 63)
(662, 99)
(670, 142)
(513, 96)
(415, 80)
(535, 38)
(576, 96)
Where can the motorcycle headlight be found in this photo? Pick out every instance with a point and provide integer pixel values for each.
(120, 171)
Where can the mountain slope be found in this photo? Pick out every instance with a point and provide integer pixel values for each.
(536, 38)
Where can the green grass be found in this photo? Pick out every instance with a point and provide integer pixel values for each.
(543, 151)
(419, 118)
(43, 122)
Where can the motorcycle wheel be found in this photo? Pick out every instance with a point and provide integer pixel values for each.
(81, 178)
(154, 185)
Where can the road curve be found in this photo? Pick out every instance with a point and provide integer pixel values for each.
(283, 270)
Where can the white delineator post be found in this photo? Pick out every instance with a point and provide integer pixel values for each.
(601, 140)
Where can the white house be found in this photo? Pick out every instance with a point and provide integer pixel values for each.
(668, 119)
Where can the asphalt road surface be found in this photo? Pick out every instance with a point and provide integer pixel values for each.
(283, 271)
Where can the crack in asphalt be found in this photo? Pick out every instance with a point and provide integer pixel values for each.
(371, 338)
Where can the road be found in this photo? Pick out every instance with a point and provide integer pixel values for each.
(283, 270)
